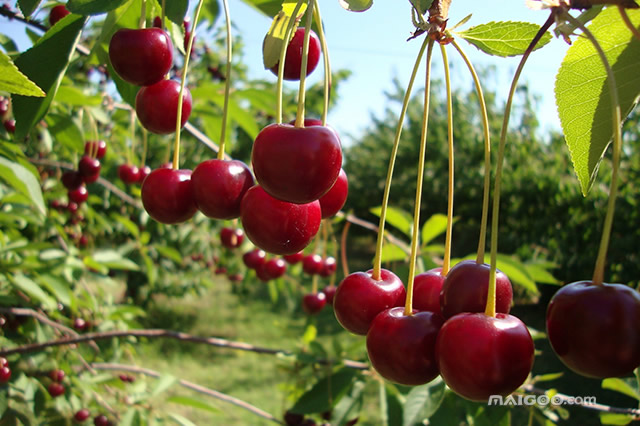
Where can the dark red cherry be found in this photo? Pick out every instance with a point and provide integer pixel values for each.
(89, 168)
(276, 226)
(219, 185)
(595, 329)
(330, 291)
(359, 298)
(80, 324)
(275, 267)
(55, 389)
(57, 13)
(480, 355)
(143, 172)
(128, 173)
(329, 266)
(312, 264)
(465, 289)
(294, 258)
(312, 303)
(402, 348)
(426, 291)
(262, 273)
(72, 207)
(81, 415)
(254, 259)
(98, 149)
(231, 238)
(334, 200)
(78, 195)
(293, 58)
(5, 374)
(72, 179)
(57, 375)
(101, 420)
(141, 56)
(3, 361)
(167, 196)
(296, 164)
(157, 106)
(10, 126)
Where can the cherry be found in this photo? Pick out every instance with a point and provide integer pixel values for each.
(465, 289)
(235, 277)
(157, 22)
(329, 266)
(220, 270)
(4, 106)
(83, 241)
(595, 329)
(254, 259)
(98, 152)
(157, 106)
(57, 13)
(426, 290)
(276, 226)
(10, 126)
(71, 179)
(72, 207)
(143, 172)
(293, 58)
(141, 56)
(402, 347)
(312, 264)
(78, 195)
(56, 375)
(330, 292)
(262, 273)
(231, 238)
(101, 420)
(3, 360)
(89, 168)
(55, 389)
(80, 324)
(293, 419)
(296, 164)
(334, 200)
(294, 258)
(359, 298)
(128, 173)
(275, 268)
(167, 196)
(480, 355)
(81, 415)
(219, 185)
(313, 303)
(5, 374)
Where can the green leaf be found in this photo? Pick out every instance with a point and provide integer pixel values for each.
(325, 393)
(112, 259)
(615, 419)
(268, 7)
(13, 81)
(94, 7)
(422, 6)
(181, 420)
(274, 39)
(396, 218)
(356, 5)
(176, 10)
(127, 91)
(393, 405)
(23, 181)
(194, 403)
(392, 253)
(434, 226)
(163, 383)
(170, 253)
(349, 406)
(65, 130)
(30, 287)
(513, 268)
(503, 38)
(8, 44)
(58, 288)
(547, 377)
(73, 96)
(310, 334)
(28, 6)
(423, 401)
(540, 275)
(45, 64)
(621, 386)
(582, 90)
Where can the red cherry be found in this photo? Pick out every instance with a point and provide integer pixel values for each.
(294, 258)
(57, 13)
(426, 291)
(167, 196)
(81, 415)
(254, 259)
(402, 347)
(465, 289)
(143, 172)
(89, 168)
(80, 324)
(334, 200)
(157, 106)
(595, 329)
(71, 179)
(231, 238)
(312, 264)
(3, 360)
(296, 164)
(313, 303)
(220, 270)
(101, 420)
(72, 207)
(276, 226)
(293, 58)
(359, 298)
(329, 266)
(141, 56)
(55, 389)
(219, 185)
(98, 151)
(4, 106)
(10, 126)
(157, 22)
(57, 375)
(128, 173)
(330, 292)
(78, 195)
(5, 374)
(83, 241)
(235, 277)
(480, 356)
(275, 268)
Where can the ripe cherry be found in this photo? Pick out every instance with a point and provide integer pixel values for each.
(143, 172)
(101, 420)
(128, 173)
(72, 179)
(293, 58)
(312, 264)
(219, 185)
(276, 226)
(465, 289)
(98, 149)
(275, 267)
(5, 374)
(402, 348)
(595, 329)
(157, 106)
(81, 415)
(141, 56)
(231, 238)
(57, 375)
(72, 207)
(10, 125)
(480, 355)
(254, 259)
(57, 13)
(296, 164)
(55, 389)
(80, 324)
(78, 195)
(334, 200)
(359, 298)
(294, 258)
(262, 273)
(89, 168)
(426, 290)
(312, 303)
(329, 266)
(3, 361)
(167, 196)
(330, 292)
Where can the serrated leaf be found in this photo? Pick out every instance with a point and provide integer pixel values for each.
(325, 393)
(194, 403)
(28, 6)
(434, 226)
(356, 5)
(23, 181)
(503, 38)
(73, 96)
(423, 401)
(13, 81)
(582, 90)
(621, 386)
(94, 7)
(397, 218)
(45, 64)
(274, 40)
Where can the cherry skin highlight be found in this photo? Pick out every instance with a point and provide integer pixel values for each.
(254, 259)
(329, 267)
(334, 200)
(157, 106)
(595, 330)
(167, 196)
(231, 238)
(312, 264)
(141, 56)
(312, 303)
(275, 267)
(293, 58)
(426, 290)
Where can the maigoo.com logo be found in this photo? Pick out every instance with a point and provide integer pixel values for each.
(542, 400)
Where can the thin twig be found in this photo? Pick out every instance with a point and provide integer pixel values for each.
(368, 225)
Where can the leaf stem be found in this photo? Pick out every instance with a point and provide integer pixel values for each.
(377, 260)
(628, 23)
(446, 264)
(227, 83)
(327, 64)
(283, 55)
(303, 65)
(415, 238)
(616, 116)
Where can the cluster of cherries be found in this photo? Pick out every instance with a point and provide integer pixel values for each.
(9, 124)
(5, 371)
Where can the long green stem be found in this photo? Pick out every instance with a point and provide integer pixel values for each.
(482, 241)
(283, 54)
(616, 117)
(490, 309)
(303, 65)
(408, 306)
(143, 15)
(628, 23)
(446, 264)
(185, 68)
(327, 64)
(377, 260)
(227, 83)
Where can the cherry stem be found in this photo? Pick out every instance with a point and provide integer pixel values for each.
(327, 64)
(227, 83)
(283, 54)
(628, 23)
(482, 241)
(142, 23)
(94, 147)
(332, 281)
(343, 248)
(446, 264)
(490, 309)
(415, 238)
(132, 129)
(145, 136)
(616, 115)
(162, 13)
(377, 260)
(303, 65)
(185, 67)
